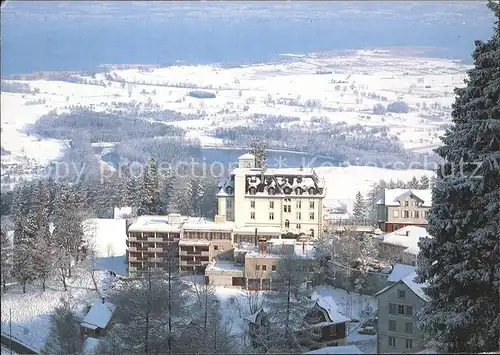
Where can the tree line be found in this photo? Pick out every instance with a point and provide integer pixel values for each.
(48, 217)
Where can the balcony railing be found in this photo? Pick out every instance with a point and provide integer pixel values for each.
(132, 249)
(155, 240)
(205, 253)
(155, 250)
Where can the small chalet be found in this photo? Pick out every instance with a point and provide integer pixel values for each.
(330, 325)
(98, 319)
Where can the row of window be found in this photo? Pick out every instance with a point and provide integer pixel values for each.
(413, 203)
(408, 326)
(407, 214)
(408, 343)
(399, 309)
(286, 208)
(271, 215)
(264, 267)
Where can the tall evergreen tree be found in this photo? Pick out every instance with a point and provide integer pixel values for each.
(259, 149)
(359, 209)
(424, 182)
(414, 183)
(149, 198)
(461, 264)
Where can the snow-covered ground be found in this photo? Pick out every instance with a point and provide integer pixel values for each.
(31, 311)
(351, 84)
(108, 236)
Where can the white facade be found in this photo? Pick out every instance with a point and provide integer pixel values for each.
(288, 199)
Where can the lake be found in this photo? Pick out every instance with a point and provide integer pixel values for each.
(52, 36)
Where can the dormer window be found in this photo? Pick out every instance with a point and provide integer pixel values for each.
(298, 191)
(312, 191)
(229, 190)
(252, 190)
(271, 191)
(299, 180)
(253, 179)
(287, 190)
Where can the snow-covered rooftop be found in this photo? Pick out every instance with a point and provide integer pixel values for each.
(99, 315)
(346, 349)
(328, 304)
(260, 230)
(408, 280)
(275, 172)
(246, 156)
(407, 237)
(415, 287)
(195, 242)
(393, 196)
(154, 224)
(224, 266)
(399, 271)
(90, 345)
(224, 227)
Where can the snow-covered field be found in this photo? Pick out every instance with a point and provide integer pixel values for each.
(342, 183)
(31, 311)
(346, 86)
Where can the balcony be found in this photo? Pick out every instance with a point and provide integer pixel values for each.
(156, 260)
(155, 240)
(132, 249)
(132, 258)
(132, 239)
(155, 250)
(183, 253)
(205, 253)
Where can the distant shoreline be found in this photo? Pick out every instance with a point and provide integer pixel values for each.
(412, 51)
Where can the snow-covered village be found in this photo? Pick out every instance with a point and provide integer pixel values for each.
(301, 196)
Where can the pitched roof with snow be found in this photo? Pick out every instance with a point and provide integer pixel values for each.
(392, 197)
(407, 237)
(399, 271)
(330, 306)
(99, 315)
(90, 345)
(408, 280)
(346, 349)
(246, 156)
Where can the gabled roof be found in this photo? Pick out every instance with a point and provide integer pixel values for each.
(408, 280)
(99, 315)
(392, 197)
(330, 306)
(399, 271)
(407, 237)
(252, 318)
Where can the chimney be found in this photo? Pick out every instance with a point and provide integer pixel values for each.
(255, 237)
(407, 233)
(103, 300)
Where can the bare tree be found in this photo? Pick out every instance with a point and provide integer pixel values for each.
(64, 334)
(90, 228)
(207, 332)
(148, 313)
(287, 308)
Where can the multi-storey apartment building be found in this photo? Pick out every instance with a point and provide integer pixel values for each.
(201, 243)
(290, 200)
(398, 208)
(150, 240)
(255, 206)
(397, 328)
